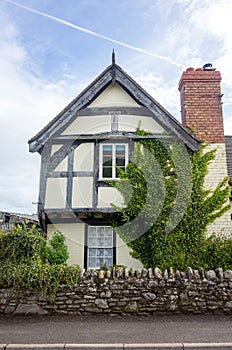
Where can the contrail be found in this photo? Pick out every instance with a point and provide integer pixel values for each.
(59, 20)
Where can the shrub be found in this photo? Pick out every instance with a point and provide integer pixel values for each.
(30, 262)
(55, 251)
(216, 252)
(21, 245)
(38, 276)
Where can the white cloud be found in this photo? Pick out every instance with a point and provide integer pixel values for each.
(202, 34)
(28, 103)
(165, 93)
(213, 20)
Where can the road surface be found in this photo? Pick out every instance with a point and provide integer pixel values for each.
(115, 329)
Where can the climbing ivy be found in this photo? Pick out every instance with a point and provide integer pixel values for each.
(168, 208)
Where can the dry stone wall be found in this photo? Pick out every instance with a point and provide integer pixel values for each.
(130, 292)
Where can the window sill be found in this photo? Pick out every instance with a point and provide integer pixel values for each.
(109, 179)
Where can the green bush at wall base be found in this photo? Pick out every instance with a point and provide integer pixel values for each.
(30, 262)
(38, 276)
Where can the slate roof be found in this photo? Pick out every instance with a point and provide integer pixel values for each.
(21, 217)
(112, 74)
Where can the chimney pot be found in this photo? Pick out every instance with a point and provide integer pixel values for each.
(208, 66)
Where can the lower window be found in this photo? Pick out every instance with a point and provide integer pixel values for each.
(100, 250)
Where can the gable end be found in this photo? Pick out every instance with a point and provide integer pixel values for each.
(111, 75)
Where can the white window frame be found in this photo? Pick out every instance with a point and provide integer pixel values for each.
(97, 247)
(114, 159)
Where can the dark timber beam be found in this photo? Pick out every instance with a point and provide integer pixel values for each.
(95, 111)
(107, 136)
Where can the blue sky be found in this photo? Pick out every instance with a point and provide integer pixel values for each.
(50, 50)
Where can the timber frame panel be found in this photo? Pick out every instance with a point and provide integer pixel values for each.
(53, 134)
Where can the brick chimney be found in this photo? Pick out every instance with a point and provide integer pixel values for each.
(201, 109)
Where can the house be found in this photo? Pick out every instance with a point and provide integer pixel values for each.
(9, 220)
(82, 145)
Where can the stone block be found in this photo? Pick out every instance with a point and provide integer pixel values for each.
(29, 309)
(101, 303)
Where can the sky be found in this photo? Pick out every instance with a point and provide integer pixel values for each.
(50, 50)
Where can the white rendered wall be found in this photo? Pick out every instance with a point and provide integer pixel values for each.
(83, 157)
(114, 95)
(217, 172)
(123, 256)
(131, 122)
(82, 195)
(55, 193)
(74, 239)
(89, 125)
(108, 195)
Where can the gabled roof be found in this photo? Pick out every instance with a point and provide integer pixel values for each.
(21, 217)
(112, 74)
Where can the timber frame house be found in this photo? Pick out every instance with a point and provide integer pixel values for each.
(79, 150)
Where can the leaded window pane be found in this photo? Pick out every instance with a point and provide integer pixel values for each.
(108, 252)
(100, 246)
(92, 252)
(109, 261)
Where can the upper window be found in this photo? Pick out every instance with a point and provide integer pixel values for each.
(112, 158)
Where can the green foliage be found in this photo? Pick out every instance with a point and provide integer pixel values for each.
(168, 208)
(30, 262)
(21, 245)
(37, 276)
(55, 251)
(216, 252)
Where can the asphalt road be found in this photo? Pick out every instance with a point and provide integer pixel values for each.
(116, 329)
